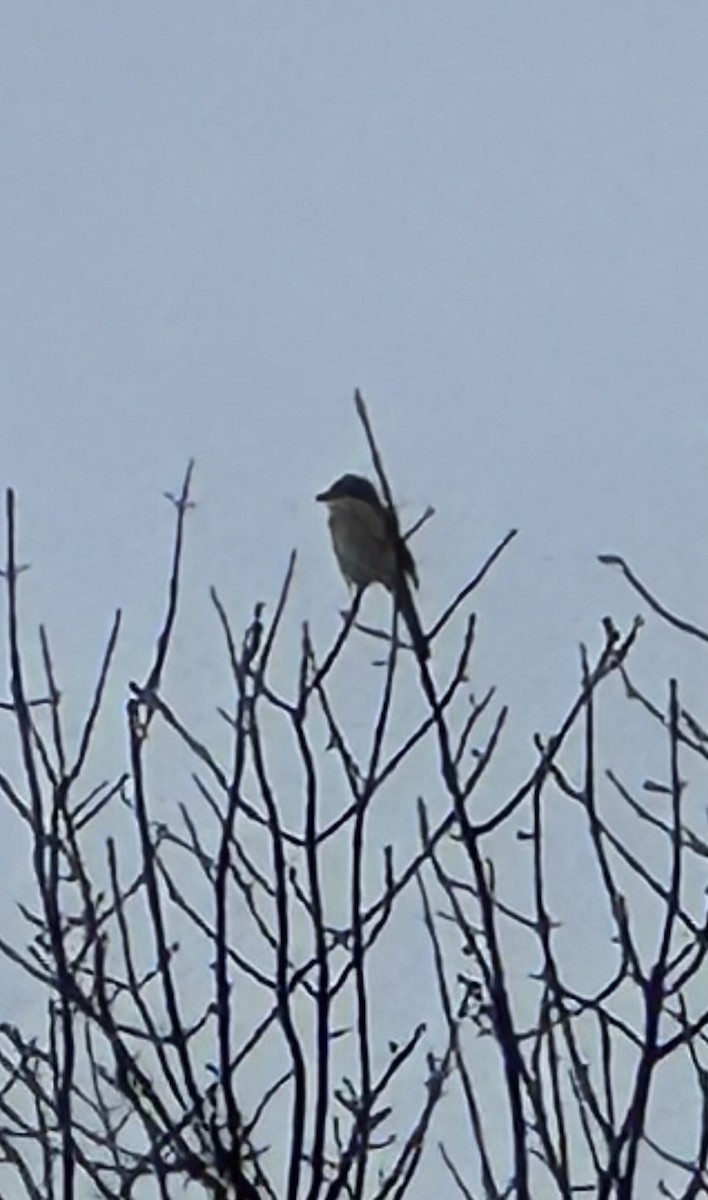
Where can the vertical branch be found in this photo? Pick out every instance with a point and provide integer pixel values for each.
(182, 504)
(136, 733)
(673, 900)
(473, 1108)
(363, 1112)
(47, 877)
(322, 1000)
(499, 997)
(240, 670)
(283, 966)
(654, 985)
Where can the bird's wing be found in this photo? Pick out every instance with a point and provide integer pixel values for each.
(405, 560)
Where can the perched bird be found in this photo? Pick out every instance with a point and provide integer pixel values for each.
(369, 547)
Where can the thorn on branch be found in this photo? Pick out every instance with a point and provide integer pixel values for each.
(18, 570)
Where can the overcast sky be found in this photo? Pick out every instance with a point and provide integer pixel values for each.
(218, 219)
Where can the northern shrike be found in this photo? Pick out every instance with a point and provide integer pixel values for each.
(369, 547)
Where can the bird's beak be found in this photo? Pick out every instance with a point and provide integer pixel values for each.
(323, 496)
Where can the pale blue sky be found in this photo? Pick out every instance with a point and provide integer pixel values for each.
(218, 219)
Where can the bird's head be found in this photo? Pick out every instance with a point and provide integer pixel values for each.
(351, 487)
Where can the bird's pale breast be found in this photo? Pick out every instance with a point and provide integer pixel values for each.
(362, 544)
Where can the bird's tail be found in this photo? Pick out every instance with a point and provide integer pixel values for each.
(407, 609)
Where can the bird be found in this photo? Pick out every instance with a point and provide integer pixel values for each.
(369, 547)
